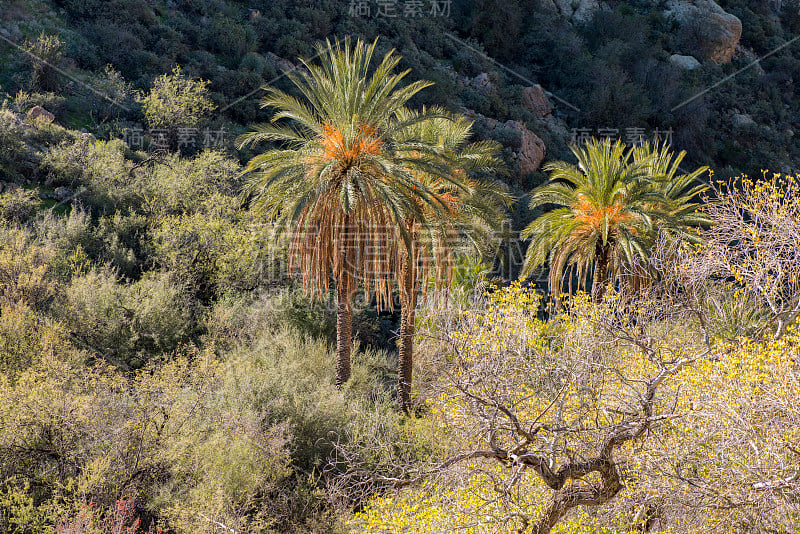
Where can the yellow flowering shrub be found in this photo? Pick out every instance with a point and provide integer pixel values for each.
(721, 451)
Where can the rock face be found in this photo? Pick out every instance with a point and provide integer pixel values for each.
(532, 150)
(38, 113)
(482, 81)
(716, 31)
(742, 121)
(536, 100)
(577, 10)
(684, 62)
(62, 193)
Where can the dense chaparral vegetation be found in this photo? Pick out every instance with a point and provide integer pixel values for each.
(275, 267)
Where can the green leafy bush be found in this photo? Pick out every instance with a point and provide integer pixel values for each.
(18, 204)
(12, 147)
(130, 322)
(45, 55)
(176, 101)
(24, 270)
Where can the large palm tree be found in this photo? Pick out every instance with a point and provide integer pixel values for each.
(342, 181)
(613, 204)
(474, 208)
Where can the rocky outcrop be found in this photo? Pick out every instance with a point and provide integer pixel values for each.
(483, 82)
(684, 62)
(39, 114)
(531, 152)
(536, 100)
(717, 32)
(741, 120)
(577, 10)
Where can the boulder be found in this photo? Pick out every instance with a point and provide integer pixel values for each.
(532, 150)
(482, 81)
(577, 10)
(684, 62)
(38, 113)
(717, 31)
(536, 100)
(62, 193)
(741, 120)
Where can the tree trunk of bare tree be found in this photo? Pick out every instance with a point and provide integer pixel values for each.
(344, 332)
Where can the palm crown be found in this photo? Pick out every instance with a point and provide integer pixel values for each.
(613, 204)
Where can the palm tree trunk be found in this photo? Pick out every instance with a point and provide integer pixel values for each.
(405, 362)
(600, 278)
(344, 331)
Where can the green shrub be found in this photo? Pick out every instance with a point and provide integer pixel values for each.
(45, 55)
(132, 323)
(65, 164)
(289, 378)
(12, 147)
(69, 237)
(217, 249)
(18, 511)
(117, 94)
(99, 168)
(176, 101)
(18, 204)
(71, 434)
(24, 101)
(24, 270)
(228, 37)
(181, 185)
(24, 337)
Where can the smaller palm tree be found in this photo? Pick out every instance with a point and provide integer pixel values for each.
(605, 221)
(474, 208)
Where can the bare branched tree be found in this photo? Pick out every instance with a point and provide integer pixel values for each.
(754, 240)
(563, 399)
(639, 391)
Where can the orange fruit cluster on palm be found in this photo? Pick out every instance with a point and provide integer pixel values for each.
(337, 147)
(591, 215)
